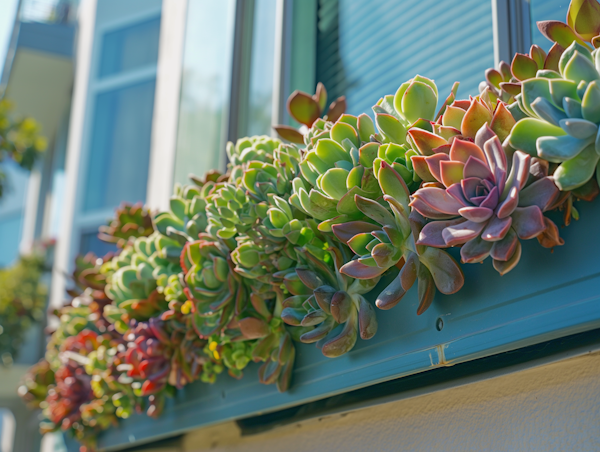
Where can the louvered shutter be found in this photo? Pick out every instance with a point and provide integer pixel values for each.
(366, 49)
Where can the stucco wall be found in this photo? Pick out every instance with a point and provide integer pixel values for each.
(555, 407)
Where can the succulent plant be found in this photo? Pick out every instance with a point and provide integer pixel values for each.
(130, 221)
(328, 306)
(161, 355)
(132, 281)
(20, 140)
(22, 302)
(338, 167)
(186, 217)
(583, 25)
(505, 82)
(484, 205)
(307, 109)
(388, 240)
(215, 290)
(35, 384)
(564, 116)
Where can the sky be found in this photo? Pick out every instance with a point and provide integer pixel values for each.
(7, 17)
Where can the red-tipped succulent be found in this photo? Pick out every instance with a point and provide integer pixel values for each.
(162, 354)
(483, 204)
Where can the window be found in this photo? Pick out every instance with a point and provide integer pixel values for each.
(120, 146)
(12, 211)
(205, 87)
(130, 48)
(368, 49)
(260, 93)
(116, 147)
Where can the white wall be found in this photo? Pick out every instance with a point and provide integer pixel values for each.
(549, 408)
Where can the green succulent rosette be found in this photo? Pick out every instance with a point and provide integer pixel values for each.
(563, 110)
(132, 281)
(211, 284)
(388, 240)
(327, 306)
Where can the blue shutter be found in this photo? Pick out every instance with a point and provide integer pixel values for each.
(367, 49)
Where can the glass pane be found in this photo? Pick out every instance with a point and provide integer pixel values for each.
(120, 146)
(367, 49)
(10, 236)
(261, 68)
(204, 87)
(90, 242)
(12, 206)
(130, 48)
(546, 10)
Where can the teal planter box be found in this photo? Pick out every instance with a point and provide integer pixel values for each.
(548, 295)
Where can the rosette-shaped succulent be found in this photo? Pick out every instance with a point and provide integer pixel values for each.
(186, 217)
(505, 82)
(212, 285)
(307, 109)
(338, 167)
(389, 240)
(231, 211)
(415, 100)
(327, 305)
(262, 179)
(130, 221)
(132, 281)
(258, 148)
(484, 205)
(162, 354)
(564, 116)
(235, 355)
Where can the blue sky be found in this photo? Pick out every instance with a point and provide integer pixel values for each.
(7, 17)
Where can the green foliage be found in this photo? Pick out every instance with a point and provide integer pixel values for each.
(284, 248)
(20, 140)
(22, 302)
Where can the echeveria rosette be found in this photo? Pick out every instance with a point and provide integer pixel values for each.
(307, 110)
(485, 206)
(258, 148)
(388, 240)
(211, 284)
(335, 170)
(564, 116)
(132, 282)
(327, 307)
(460, 119)
(505, 82)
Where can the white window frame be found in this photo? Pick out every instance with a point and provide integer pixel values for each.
(87, 86)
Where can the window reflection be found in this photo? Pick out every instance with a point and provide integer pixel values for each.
(120, 146)
(261, 68)
(205, 87)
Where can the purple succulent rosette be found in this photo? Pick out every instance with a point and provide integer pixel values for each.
(484, 205)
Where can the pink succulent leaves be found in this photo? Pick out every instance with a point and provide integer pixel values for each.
(482, 203)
